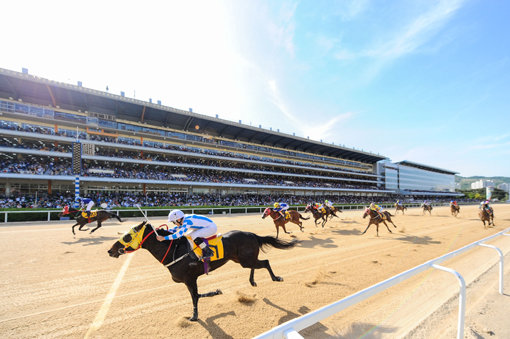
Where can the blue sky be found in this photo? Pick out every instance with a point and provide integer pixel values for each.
(426, 81)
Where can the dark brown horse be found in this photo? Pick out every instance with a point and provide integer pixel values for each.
(240, 247)
(427, 208)
(280, 221)
(101, 216)
(486, 214)
(455, 209)
(399, 208)
(317, 214)
(376, 218)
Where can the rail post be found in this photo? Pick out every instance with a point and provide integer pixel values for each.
(501, 263)
(462, 298)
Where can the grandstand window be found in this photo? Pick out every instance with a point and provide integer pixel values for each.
(108, 124)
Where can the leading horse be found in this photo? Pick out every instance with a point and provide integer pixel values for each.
(280, 221)
(76, 214)
(238, 246)
(376, 218)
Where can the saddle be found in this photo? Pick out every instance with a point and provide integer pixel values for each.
(214, 242)
(92, 214)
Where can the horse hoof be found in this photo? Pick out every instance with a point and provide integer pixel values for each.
(193, 318)
(254, 284)
(218, 292)
(279, 279)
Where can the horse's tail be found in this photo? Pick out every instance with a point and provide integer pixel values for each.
(303, 217)
(114, 215)
(276, 243)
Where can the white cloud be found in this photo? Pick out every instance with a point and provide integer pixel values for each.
(407, 40)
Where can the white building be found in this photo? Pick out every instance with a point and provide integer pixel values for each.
(504, 187)
(482, 183)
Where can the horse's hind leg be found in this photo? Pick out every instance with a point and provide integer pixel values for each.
(260, 264)
(385, 224)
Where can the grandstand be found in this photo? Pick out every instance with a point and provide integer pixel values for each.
(52, 132)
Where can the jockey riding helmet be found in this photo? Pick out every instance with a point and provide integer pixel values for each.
(276, 205)
(175, 215)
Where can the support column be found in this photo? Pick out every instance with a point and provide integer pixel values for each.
(76, 190)
(49, 186)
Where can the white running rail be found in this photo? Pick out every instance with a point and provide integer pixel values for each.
(290, 329)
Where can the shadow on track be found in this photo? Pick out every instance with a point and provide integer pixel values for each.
(89, 241)
(426, 240)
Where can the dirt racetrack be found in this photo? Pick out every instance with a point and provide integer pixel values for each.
(54, 285)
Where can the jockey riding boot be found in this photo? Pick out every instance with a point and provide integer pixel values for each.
(206, 251)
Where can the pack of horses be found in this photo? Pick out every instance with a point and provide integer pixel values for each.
(238, 246)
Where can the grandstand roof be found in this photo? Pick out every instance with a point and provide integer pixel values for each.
(36, 90)
(425, 167)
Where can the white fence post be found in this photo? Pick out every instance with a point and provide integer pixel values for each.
(462, 299)
(501, 259)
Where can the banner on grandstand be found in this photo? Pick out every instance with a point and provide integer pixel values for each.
(76, 160)
(100, 171)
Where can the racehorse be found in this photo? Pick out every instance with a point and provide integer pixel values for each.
(280, 221)
(427, 208)
(455, 209)
(238, 246)
(376, 218)
(317, 214)
(486, 215)
(399, 208)
(76, 214)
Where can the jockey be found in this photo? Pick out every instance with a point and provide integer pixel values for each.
(280, 207)
(399, 203)
(321, 208)
(328, 203)
(426, 203)
(376, 208)
(484, 205)
(199, 227)
(87, 203)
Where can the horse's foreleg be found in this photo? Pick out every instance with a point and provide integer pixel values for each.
(370, 223)
(193, 290)
(98, 225)
(72, 228)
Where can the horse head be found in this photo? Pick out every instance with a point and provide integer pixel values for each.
(267, 212)
(367, 212)
(129, 241)
(308, 208)
(65, 210)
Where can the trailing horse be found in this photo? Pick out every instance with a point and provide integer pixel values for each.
(427, 208)
(399, 208)
(376, 218)
(486, 215)
(280, 221)
(76, 214)
(455, 209)
(238, 246)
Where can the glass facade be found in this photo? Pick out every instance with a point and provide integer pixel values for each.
(411, 178)
(408, 178)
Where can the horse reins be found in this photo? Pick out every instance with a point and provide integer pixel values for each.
(145, 238)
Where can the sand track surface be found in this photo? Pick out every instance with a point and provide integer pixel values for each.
(54, 285)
